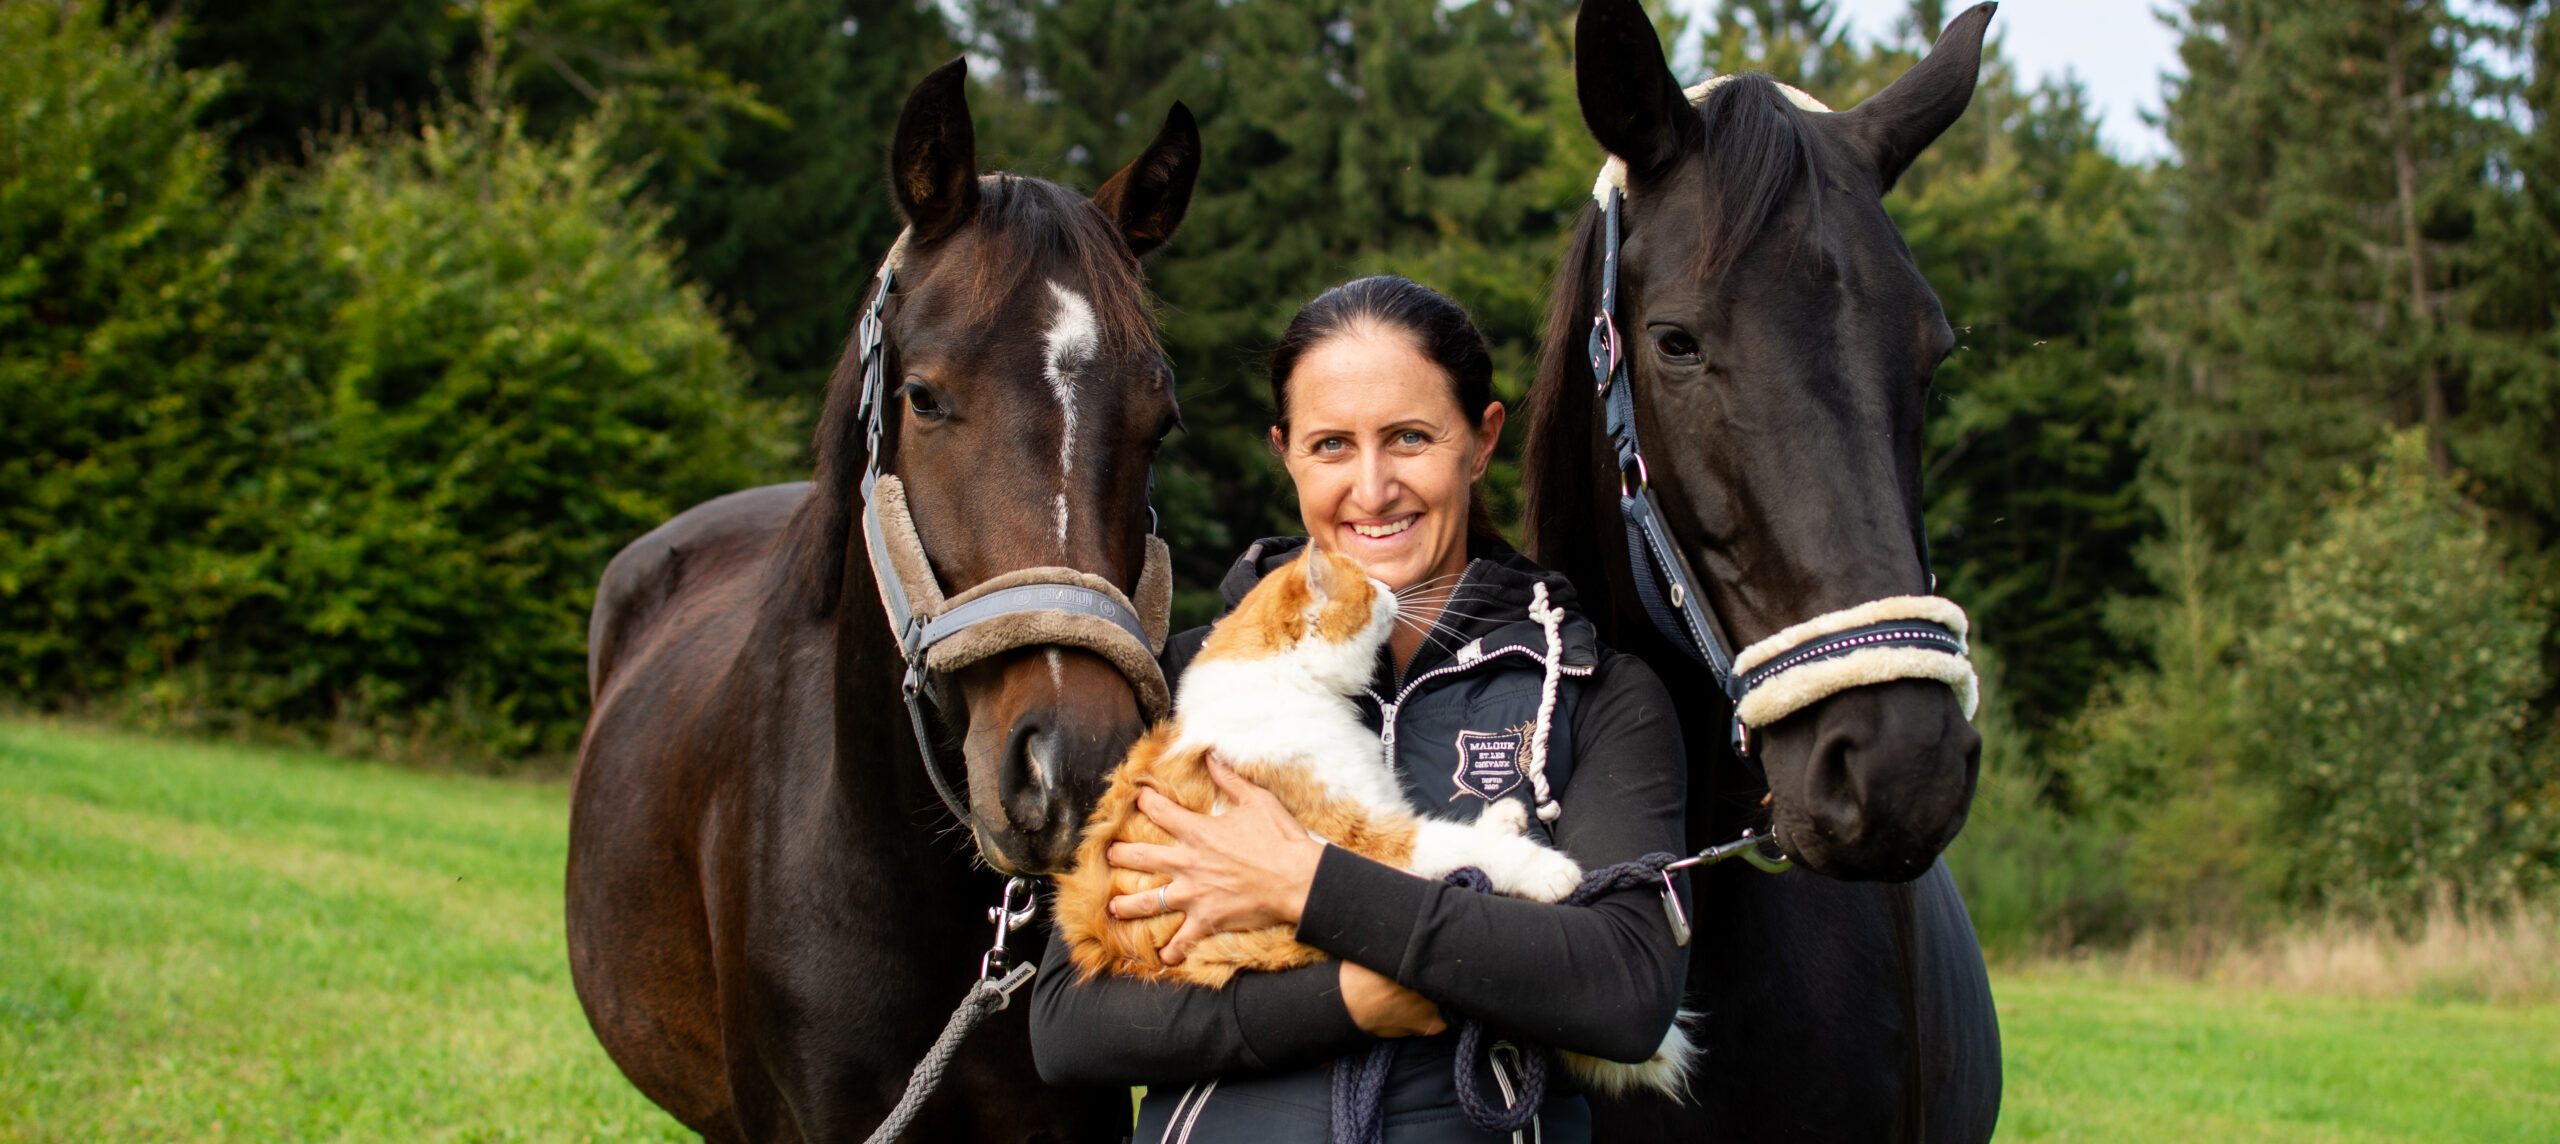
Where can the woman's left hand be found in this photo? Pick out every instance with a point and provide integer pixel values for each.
(1245, 869)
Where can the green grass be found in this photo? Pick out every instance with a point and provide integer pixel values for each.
(208, 942)
(212, 943)
(2092, 1056)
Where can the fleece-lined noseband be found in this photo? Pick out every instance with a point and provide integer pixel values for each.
(1047, 606)
(1899, 637)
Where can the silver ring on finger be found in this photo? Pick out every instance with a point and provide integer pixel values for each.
(1163, 906)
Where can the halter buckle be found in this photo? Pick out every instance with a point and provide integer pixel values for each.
(1606, 349)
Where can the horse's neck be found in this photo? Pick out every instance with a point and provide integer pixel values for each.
(878, 762)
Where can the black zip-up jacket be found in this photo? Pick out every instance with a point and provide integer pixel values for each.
(1603, 980)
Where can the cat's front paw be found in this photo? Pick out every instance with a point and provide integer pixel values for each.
(1540, 875)
(1504, 816)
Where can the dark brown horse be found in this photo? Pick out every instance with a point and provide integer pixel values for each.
(1781, 340)
(770, 914)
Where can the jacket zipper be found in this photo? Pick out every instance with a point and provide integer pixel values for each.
(1387, 711)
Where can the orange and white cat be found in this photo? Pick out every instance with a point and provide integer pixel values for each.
(1271, 695)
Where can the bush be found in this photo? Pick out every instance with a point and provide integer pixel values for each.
(2392, 684)
(2034, 879)
(120, 423)
(356, 456)
(503, 383)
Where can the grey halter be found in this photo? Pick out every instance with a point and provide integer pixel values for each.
(1030, 607)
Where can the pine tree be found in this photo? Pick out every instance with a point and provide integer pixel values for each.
(2328, 183)
(2513, 314)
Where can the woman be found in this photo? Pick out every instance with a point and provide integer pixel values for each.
(1386, 421)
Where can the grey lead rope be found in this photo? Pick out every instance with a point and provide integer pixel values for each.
(993, 991)
(987, 996)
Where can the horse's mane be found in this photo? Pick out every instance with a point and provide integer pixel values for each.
(1023, 225)
(1758, 149)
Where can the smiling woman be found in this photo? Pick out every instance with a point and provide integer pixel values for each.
(1386, 419)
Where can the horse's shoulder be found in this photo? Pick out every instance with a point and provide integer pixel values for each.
(706, 544)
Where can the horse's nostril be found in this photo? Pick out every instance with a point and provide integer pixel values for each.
(1834, 807)
(1031, 768)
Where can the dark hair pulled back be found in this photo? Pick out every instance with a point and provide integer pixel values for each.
(1438, 326)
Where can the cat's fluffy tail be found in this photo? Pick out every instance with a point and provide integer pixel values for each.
(1666, 1071)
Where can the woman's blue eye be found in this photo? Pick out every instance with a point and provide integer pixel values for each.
(1329, 445)
(1412, 437)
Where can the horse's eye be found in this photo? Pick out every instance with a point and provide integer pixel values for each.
(1675, 346)
(926, 401)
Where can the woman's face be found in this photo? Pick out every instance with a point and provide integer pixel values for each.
(1382, 456)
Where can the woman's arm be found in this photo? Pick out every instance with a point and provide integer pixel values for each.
(1123, 1031)
(1603, 979)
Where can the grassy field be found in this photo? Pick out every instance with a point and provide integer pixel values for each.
(219, 943)
(206, 942)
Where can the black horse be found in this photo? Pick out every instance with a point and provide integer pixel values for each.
(1781, 342)
(769, 914)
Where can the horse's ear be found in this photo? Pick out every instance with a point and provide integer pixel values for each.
(1896, 124)
(933, 164)
(1149, 196)
(1629, 99)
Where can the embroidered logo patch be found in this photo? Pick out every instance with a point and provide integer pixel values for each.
(1489, 762)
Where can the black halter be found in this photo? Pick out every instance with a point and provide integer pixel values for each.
(1665, 585)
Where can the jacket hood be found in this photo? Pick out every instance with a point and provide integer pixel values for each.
(1488, 611)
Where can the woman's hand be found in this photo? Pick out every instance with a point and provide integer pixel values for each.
(1383, 1008)
(1245, 869)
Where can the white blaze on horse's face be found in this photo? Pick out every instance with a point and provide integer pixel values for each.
(1074, 337)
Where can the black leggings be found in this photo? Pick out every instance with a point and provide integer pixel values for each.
(1297, 1107)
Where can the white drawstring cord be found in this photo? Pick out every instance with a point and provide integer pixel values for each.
(1551, 619)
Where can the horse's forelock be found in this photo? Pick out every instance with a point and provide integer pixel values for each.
(1027, 227)
(1760, 148)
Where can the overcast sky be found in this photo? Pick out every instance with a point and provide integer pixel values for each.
(2118, 48)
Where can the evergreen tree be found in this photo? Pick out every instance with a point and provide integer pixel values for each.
(2328, 193)
(2514, 314)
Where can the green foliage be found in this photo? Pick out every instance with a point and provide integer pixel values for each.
(2156, 756)
(2362, 745)
(2334, 262)
(2030, 233)
(2034, 878)
(761, 125)
(120, 423)
(355, 453)
(2391, 688)
(498, 382)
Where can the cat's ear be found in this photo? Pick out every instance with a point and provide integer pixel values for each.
(1319, 574)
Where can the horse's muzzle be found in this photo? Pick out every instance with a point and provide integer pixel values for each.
(1066, 719)
(1871, 784)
